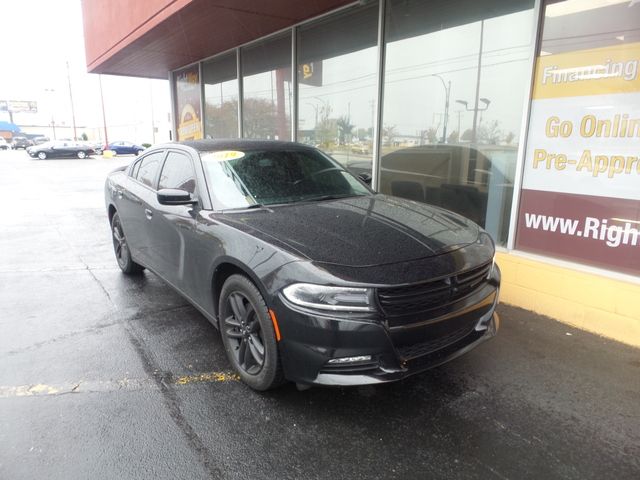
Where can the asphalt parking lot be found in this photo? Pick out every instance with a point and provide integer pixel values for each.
(105, 376)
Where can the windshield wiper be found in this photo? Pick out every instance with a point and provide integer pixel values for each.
(319, 198)
(254, 205)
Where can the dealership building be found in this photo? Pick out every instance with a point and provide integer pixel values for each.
(523, 115)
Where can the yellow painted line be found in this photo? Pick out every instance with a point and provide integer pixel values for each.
(124, 384)
(208, 377)
(28, 390)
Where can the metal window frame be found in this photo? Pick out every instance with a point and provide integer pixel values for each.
(240, 81)
(202, 104)
(172, 95)
(377, 122)
(294, 84)
(538, 12)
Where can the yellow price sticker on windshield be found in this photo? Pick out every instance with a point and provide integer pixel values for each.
(226, 155)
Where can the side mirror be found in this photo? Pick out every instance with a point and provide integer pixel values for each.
(365, 177)
(173, 196)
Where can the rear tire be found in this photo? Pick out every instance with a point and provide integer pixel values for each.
(139, 152)
(248, 335)
(121, 248)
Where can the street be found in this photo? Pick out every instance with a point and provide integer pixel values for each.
(105, 376)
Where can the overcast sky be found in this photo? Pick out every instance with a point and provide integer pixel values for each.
(43, 36)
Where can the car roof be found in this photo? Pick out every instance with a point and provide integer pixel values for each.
(241, 144)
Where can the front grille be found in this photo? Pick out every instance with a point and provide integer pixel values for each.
(427, 295)
(424, 348)
(435, 358)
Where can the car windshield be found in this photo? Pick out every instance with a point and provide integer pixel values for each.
(241, 179)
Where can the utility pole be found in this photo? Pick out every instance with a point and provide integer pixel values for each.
(73, 113)
(104, 118)
(475, 108)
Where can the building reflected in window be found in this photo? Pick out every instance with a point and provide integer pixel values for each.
(267, 92)
(220, 77)
(337, 72)
(452, 115)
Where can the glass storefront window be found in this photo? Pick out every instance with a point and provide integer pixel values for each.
(267, 92)
(580, 199)
(337, 65)
(456, 76)
(220, 78)
(188, 108)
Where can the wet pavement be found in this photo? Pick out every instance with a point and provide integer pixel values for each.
(104, 376)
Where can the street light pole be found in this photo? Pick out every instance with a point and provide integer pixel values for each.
(73, 113)
(447, 92)
(51, 91)
(475, 111)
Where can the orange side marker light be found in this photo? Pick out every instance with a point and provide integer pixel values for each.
(275, 324)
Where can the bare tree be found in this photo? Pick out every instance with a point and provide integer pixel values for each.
(489, 133)
(389, 131)
(432, 135)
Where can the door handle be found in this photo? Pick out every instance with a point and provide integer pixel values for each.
(148, 213)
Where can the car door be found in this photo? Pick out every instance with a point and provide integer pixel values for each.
(174, 226)
(56, 150)
(136, 203)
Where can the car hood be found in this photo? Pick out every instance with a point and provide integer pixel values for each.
(358, 231)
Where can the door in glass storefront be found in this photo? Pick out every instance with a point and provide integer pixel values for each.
(456, 77)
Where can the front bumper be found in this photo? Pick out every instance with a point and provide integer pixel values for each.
(311, 339)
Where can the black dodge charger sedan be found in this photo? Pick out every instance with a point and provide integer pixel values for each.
(60, 149)
(308, 275)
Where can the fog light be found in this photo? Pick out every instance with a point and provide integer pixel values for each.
(343, 360)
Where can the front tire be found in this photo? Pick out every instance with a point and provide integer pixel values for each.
(81, 155)
(139, 152)
(248, 335)
(42, 155)
(121, 248)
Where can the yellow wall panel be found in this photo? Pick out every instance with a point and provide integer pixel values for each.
(599, 304)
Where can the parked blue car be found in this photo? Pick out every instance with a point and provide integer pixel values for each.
(125, 148)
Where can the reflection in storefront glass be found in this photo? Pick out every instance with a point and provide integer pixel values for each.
(221, 97)
(337, 65)
(455, 81)
(266, 102)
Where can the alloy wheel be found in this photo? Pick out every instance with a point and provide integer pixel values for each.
(120, 243)
(244, 333)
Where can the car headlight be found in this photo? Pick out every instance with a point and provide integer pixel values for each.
(485, 239)
(344, 299)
